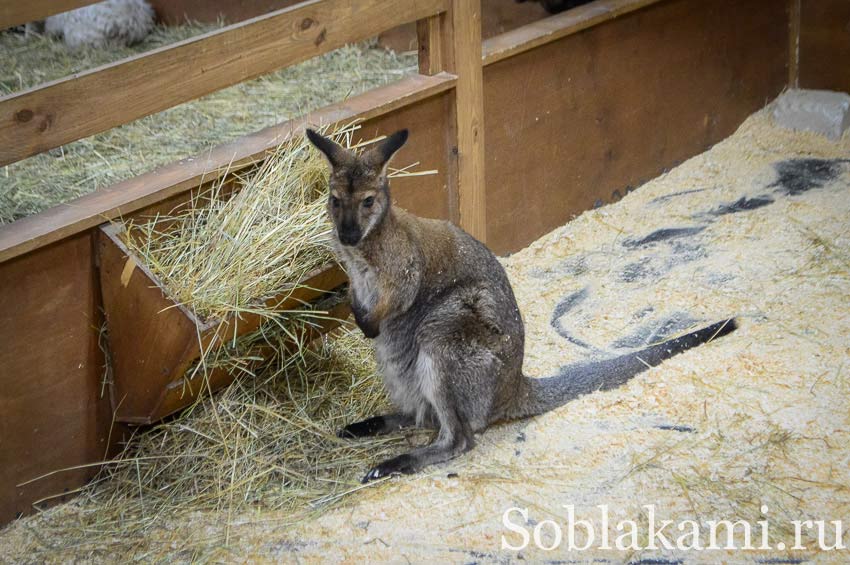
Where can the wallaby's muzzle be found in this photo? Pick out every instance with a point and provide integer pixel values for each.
(350, 235)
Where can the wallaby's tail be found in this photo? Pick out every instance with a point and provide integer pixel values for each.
(572, 381)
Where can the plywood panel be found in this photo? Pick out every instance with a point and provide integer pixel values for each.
(825, 44)
(53, 414)
(429, 144)
(606, 108)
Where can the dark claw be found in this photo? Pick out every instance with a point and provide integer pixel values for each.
(401, 465)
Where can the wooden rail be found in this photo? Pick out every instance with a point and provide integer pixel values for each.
(78, 106)
(17, 12)
(553, 28)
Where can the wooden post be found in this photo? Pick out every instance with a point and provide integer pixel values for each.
(794, 44)
(452, 42)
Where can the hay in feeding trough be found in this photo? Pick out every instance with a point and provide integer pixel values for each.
(224, 254)
(62, 174)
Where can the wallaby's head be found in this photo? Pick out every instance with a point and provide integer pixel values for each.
(359, 197)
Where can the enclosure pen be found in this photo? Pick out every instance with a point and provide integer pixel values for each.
(116, 354)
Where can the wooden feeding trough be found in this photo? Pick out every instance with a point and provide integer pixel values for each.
(154, 341)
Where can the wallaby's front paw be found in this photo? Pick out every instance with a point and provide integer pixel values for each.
(401, 465)
(370, 330)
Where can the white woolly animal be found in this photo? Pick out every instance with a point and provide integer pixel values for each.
(120, 22)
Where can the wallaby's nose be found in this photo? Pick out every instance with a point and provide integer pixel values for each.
(349, 237)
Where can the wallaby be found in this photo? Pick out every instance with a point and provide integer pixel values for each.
(449, 339)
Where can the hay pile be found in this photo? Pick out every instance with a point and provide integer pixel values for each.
(70, 171)
(266, 443)
(225, 253)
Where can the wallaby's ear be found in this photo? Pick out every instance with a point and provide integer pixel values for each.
(384, 150)
(335, 152)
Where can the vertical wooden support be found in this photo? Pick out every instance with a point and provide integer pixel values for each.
(794, 43)
(452, 42)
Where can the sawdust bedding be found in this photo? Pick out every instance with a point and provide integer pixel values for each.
(758, 227)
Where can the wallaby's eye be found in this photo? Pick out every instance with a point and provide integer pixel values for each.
(334, 201)
(367, 202)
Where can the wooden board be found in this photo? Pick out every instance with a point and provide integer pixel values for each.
(555, 27)
(178, 12)
(146, 190)
(17, 12)
(469, 117)
(59, 112)
(53, 413)
(825, 44)
(596, 112)
(430, 196)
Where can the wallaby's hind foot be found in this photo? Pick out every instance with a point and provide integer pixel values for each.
(441, 450)
(376, 426)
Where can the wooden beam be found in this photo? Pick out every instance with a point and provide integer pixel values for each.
(553, 28)
(17, 12)
(794, 44)
(68, 109)
(139, 192)
(469, 109)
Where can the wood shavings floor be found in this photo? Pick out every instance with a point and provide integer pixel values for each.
(759, 228)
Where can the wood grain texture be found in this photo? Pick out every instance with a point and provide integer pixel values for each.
(145, 190)
(53, 414)
(825, 44)
(429, 144)
(59, 112)
(469, 114)
(603, 110)
(17, 12)
(555, 27)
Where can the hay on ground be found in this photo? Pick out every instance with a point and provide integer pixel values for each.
(62, 174)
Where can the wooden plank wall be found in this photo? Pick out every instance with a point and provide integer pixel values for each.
(825, 44)
(429, 196)
(590, 115)
(53, 414)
